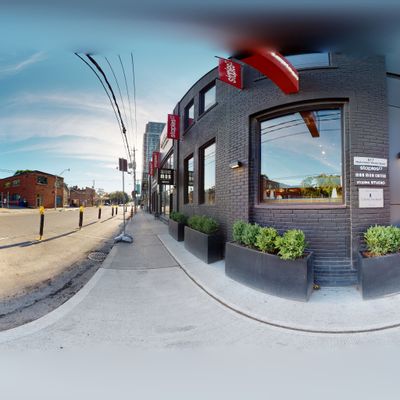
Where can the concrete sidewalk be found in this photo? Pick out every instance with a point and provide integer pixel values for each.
(155, 294)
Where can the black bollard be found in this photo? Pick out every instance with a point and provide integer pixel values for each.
(41, 211)
(112, 211)
(80, 217)
(99, 212)
(116, 210)
(132, 212)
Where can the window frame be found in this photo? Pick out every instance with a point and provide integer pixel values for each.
(342, 104)
(201, 171)
(186, 125)
(186, 179)
(202, 109)
(41, 183)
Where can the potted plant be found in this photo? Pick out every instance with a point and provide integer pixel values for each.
(277, 265)
(176, 225)
(202, 238)
(379, 264)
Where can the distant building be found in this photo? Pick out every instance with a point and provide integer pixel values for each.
(82, 197)
(32, 189)
(151, 142)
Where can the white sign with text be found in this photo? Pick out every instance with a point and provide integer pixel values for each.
(370, 198)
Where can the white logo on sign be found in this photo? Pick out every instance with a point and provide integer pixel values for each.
(231, 71)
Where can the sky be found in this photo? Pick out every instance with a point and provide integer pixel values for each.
(54, 114)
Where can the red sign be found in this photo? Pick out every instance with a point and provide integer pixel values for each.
(230, 72)
(275, 67)
(173, 126)
(151, 170)
(156, 159)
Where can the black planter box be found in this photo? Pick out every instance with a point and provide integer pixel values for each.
(379, 276)
(176, 230)
(291, 279)
(209, 248)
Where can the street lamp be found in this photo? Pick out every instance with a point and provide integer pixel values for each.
(55, 187)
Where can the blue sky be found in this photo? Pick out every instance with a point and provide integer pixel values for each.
(54, 113)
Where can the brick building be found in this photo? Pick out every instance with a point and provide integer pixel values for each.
(82, 197)
(32, 189)
(250, 154)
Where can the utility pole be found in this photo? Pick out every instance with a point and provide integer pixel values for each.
(134, 178)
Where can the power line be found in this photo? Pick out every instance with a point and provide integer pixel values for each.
(94, 62)
(129, 97)
(119, 88)
(134, 94)
(108, 95)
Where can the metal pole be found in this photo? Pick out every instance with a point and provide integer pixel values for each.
(134, 178)
(123, 192)
(55, 193)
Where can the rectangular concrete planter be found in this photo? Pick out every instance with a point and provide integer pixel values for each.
(176, 230)
(379, 276)
(291, 279)
(209, 248)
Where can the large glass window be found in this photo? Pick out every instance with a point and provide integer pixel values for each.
(301, 158)
(207, 98)
(208, 174)
(167, 191)
(189, 180)
(189, 115)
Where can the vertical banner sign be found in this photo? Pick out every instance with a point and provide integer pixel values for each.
(123, 165)
(230, 72)
(156, 159)
(151, 171)
(173, 126)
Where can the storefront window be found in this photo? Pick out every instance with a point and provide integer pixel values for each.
(301, 158)
(208, 174)
(189, 180)
(167, 191)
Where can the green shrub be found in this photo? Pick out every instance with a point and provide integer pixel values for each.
(178, 217)
(381, 240)
(291, 245)
(249, 234)
(265, 240)
(203, 224)
(238, 228)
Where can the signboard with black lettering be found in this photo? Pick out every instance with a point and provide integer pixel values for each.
(166, 176)
(370, 171)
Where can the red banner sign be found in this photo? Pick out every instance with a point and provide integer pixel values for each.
(274, 66)
(151, 170)
(230, 72)
(156, 159)
(173, 126)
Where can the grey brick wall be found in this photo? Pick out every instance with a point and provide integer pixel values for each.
(334, 234)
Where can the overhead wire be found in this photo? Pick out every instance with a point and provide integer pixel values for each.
(120, 123)
(94, 62)
(119, 88)
(129, 98)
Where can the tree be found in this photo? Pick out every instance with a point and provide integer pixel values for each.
(22, 171)
(119, 197)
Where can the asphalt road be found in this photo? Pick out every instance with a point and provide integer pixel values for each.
(28, 265)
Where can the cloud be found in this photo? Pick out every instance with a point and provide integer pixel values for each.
(21, 65)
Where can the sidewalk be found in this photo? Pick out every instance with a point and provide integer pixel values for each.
(155, 294)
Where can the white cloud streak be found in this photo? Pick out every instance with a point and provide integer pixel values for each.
(22, 65)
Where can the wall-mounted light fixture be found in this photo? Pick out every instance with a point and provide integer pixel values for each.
(235, 164)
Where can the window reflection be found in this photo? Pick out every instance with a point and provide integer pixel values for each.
(208, 98)
(189, 180)
(189, 115)
(209, 174)
(301, 158)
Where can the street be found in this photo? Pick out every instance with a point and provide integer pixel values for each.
(26, 264)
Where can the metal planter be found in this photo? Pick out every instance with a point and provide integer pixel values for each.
(291, 279)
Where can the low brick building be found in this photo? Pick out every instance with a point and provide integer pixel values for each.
(82, 197)
(32, 189)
